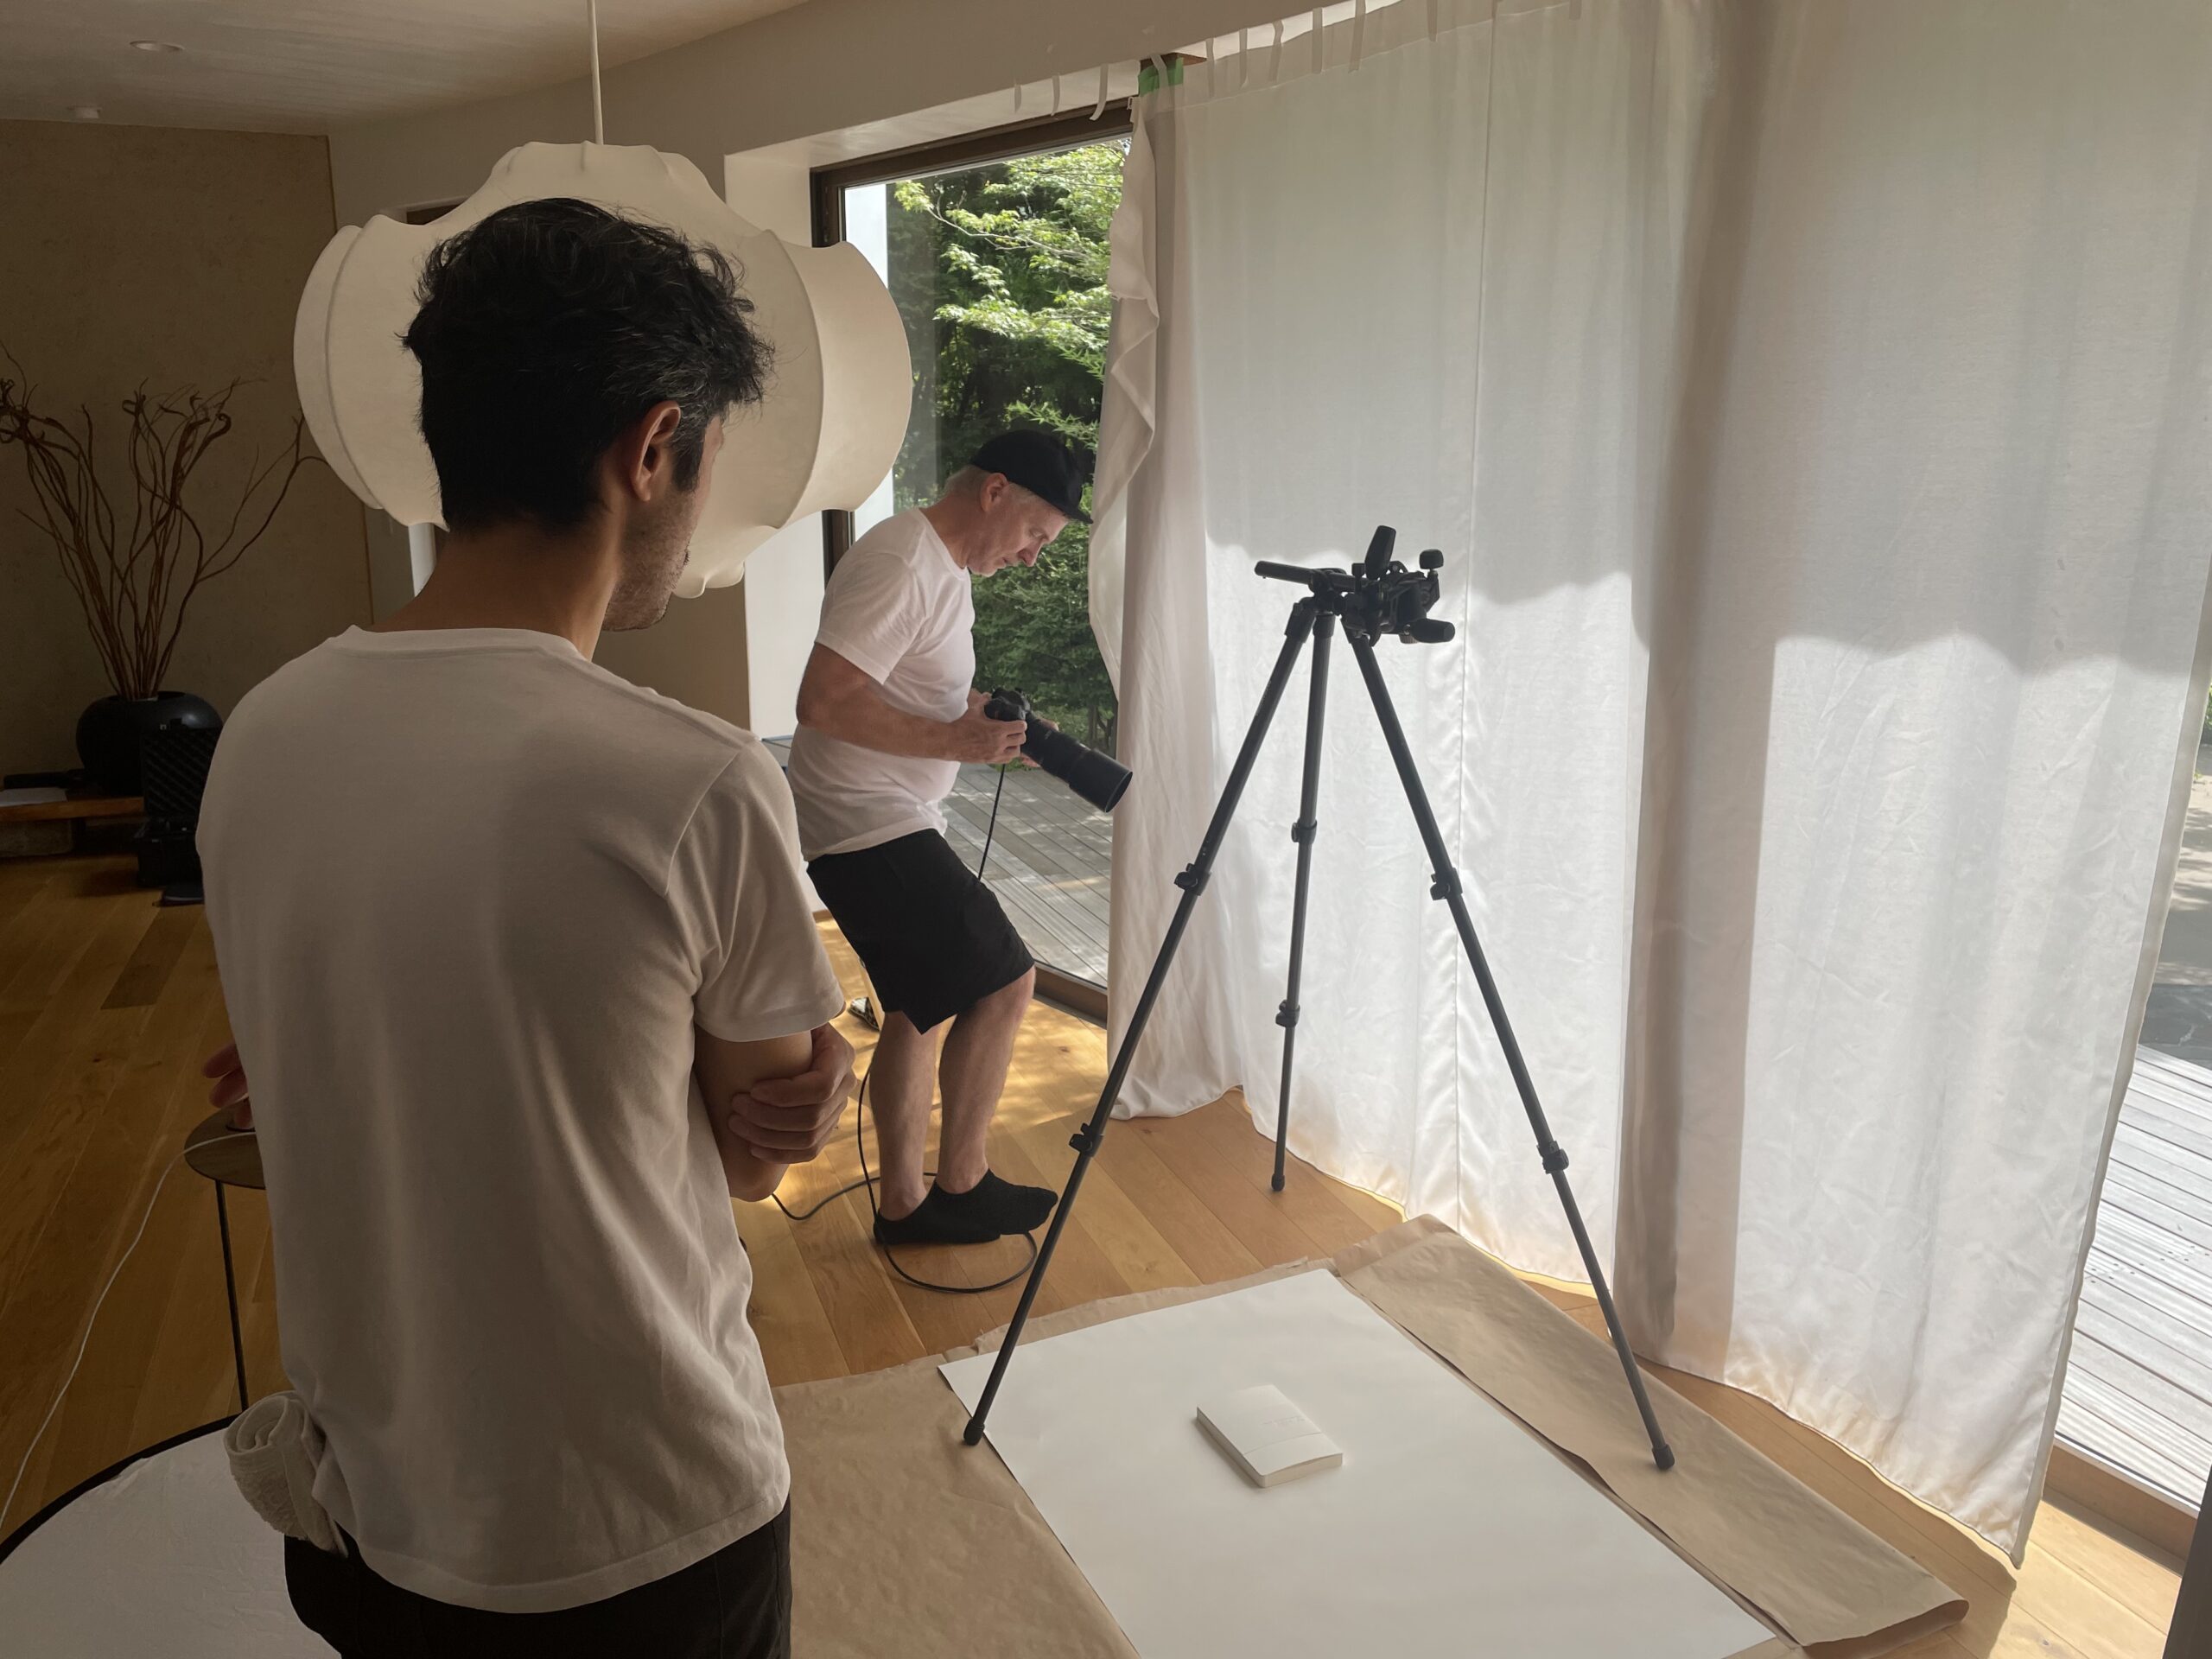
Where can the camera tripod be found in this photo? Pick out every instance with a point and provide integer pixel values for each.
(1378, 597)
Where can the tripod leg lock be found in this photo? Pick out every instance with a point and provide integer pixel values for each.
(1446, 885)
(1193, 879)
(1286, 1016)
(1085, 1140)
(1555, 1158)
(1303, 830)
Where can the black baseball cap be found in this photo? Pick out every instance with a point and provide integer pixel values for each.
(1041, 464)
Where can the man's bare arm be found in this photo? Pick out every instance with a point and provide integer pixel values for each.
(727, 1070)
(837, 698)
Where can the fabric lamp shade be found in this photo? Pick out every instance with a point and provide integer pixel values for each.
(824, 435)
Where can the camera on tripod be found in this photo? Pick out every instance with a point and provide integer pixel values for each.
(1378, 595)
(1375, 597)
(1099, 778)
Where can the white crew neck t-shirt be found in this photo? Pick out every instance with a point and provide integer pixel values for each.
(470, 895)
(901, 610)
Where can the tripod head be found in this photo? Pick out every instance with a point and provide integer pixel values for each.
(1378, 595)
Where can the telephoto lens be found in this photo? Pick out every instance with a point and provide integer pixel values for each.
(1099, 778)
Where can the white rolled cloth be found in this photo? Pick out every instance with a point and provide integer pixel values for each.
(275, 1450)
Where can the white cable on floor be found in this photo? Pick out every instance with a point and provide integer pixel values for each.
(23, 1468)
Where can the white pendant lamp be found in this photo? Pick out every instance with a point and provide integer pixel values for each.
(824, 435)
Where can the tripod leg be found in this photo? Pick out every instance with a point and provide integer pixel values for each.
(1193, 881)
(1302, 832)
(1446, 888)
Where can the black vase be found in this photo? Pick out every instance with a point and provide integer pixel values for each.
(109, 732)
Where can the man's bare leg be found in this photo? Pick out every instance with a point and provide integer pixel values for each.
(969, 1204)
(972, 1075)
(898, 1086)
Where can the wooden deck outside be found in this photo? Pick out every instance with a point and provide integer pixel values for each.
(1051, 863)
(2138, 1397)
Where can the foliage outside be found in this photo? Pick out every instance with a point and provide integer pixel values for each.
(999, 276)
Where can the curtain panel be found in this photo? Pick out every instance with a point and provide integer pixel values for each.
(1810, 400)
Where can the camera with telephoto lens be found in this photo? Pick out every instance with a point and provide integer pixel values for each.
(1099, 778)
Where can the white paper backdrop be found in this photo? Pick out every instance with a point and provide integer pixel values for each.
(1811, 400)
(1448, 1531)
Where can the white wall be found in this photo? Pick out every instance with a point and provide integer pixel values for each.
(867, 227)
(783, 579)
(817, 68)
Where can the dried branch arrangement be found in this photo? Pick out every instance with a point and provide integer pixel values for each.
(135, 583)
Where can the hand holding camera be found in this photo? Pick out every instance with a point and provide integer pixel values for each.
(1097, 777)
(983, 738)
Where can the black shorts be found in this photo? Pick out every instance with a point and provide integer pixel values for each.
(735, 1604)
(932, 938)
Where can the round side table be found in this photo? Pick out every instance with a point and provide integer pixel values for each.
(227, 1157)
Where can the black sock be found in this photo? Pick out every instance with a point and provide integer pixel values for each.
(991, 1209)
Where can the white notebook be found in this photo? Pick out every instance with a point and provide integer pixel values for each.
(1266, 1437)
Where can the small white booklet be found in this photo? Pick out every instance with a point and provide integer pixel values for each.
(1266, 1437)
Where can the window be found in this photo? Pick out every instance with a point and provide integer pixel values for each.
(995, 251)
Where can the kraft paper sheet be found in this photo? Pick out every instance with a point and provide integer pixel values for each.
(904, 1540)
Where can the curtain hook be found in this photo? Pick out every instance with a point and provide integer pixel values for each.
(1359, 32)
(1100, 108)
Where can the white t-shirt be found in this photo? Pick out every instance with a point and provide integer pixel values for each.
(469, 896)
(901, 610)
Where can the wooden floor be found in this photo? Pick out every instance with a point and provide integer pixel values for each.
(2139, 1386)
(106, 1004)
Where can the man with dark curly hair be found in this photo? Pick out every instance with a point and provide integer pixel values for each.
(514, 953)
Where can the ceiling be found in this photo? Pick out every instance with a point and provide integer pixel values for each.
(309, 66)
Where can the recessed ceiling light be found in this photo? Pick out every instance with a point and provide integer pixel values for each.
(86, 111)
(156, 46)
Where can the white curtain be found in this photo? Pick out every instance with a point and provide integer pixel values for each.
(1811, 401)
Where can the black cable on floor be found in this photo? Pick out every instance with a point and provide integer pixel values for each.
(867, 1181)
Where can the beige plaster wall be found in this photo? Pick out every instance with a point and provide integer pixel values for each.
(150, 255)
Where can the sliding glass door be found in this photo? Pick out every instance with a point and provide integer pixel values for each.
(995, 251)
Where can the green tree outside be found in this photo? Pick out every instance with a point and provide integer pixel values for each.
(999, 276)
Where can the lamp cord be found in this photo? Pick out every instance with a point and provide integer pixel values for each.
(598, 111)
(77, 1364)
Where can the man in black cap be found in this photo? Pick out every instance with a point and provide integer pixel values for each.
(887, 713)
